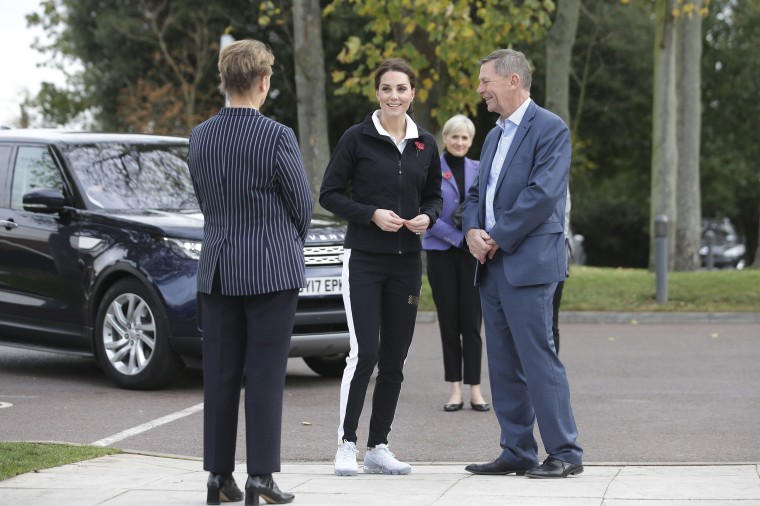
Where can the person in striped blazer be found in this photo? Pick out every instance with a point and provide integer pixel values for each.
(252, 189)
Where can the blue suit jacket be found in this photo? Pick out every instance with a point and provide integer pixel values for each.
(256, 202)
(443, 234)
(529, 203)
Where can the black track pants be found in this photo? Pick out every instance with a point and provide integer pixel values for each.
(381, 295)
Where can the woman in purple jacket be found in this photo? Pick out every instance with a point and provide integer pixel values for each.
(451, 270)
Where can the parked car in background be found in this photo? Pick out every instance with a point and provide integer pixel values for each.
(577, 253)
(100, 236)
(721, 247)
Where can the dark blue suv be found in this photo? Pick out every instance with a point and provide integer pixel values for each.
(100, 236)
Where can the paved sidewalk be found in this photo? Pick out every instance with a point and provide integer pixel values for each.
(132, 479)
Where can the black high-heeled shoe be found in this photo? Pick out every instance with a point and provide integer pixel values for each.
(264, 486)
(222, 487)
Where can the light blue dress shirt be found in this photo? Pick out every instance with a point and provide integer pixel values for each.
(508, 129)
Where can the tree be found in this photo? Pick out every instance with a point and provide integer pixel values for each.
(730, 151)
(310, 90)
(689, 115)
(441, 39)
(611, 106)
(559, 50)
(676, 129)
(305, 50)
(148, 66)
(664, 110)
(58, 106)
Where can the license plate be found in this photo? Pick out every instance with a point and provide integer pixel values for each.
(322, 286)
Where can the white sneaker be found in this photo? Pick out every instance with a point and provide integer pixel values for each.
(380, 460)
(345, 459)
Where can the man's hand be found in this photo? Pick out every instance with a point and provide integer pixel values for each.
(387, 221)
(494, 248)
(418, 224)
(481, 245)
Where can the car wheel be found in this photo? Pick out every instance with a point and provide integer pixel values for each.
(330, 366)
(132, 338)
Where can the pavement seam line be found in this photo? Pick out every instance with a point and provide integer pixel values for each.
(607, 488)
(451, 487)
(148, 426)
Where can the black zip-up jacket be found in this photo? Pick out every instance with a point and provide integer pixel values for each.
(366, 172)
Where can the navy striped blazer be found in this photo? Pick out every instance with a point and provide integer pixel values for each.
(252, 189)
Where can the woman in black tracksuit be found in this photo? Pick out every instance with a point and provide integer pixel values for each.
(384, 177)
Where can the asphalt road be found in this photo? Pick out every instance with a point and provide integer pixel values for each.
(641, 393)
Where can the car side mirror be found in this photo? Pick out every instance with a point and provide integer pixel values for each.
(44, 200)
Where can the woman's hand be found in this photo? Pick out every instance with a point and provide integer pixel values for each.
(418, 224)
(387, 221)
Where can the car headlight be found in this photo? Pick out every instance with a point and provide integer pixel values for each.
(184, 248)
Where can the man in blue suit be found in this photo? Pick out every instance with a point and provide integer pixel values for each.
(513, 221)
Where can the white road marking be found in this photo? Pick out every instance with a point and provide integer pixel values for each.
(148, 426)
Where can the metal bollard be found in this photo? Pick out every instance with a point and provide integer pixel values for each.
(710, 240)
(661, 257)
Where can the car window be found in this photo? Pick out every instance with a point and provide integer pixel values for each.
(34, 168)
(132, 176)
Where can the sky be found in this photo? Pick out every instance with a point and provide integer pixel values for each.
(18, 61)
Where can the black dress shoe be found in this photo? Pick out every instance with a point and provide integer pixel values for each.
(453, 407)
(222, 487)
(264, 486)
(498, 466)
(555, 468)
(480, 407)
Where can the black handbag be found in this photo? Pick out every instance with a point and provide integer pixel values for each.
(456, 216)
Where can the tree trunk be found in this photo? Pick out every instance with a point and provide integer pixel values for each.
(559, 50)
(688, 199)
(310, 90)
(664, 152)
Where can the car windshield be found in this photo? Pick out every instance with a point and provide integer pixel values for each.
(133, 176)
(723, 232)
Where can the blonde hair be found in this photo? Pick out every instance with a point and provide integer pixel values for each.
(241, 63)
(458, 123)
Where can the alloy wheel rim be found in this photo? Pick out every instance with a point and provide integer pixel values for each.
(129, 334)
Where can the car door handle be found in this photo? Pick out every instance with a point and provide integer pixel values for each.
(8, 224)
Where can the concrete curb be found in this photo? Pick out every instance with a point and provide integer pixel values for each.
(635, 317)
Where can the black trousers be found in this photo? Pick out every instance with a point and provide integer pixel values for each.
(248, 334)
(451, 273)
(381, 294)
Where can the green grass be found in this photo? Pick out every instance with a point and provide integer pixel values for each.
(20, 458)
(610, 289)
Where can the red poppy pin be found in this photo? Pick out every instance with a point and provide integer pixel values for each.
(420, 146)
(447, 175)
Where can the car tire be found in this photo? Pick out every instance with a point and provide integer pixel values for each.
(330, 366)
(132, 338)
